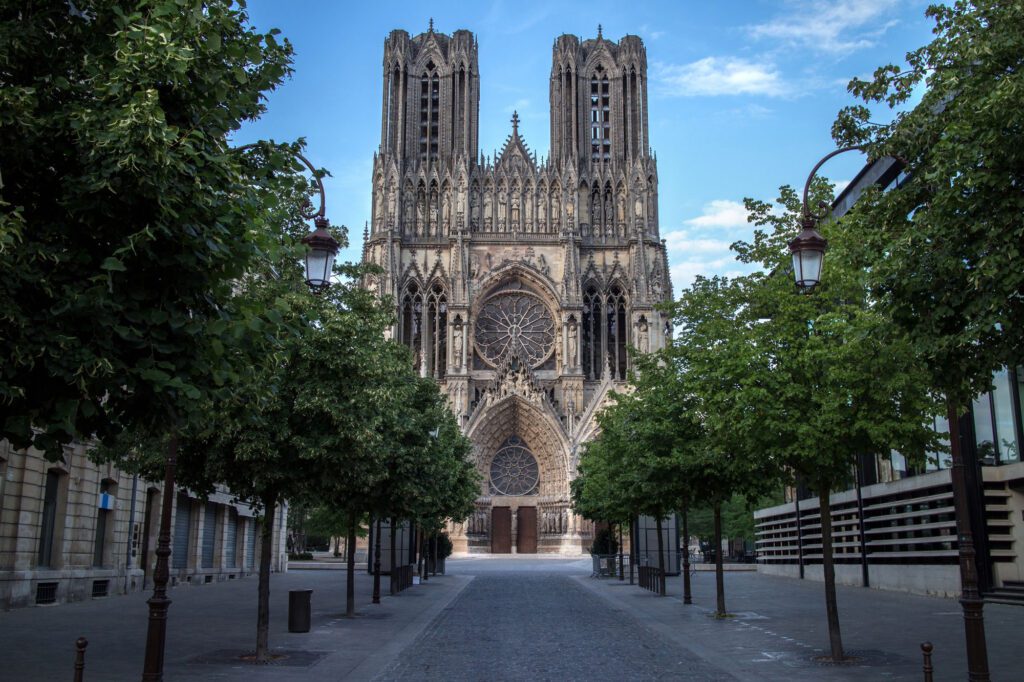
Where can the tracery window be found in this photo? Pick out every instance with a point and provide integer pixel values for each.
(515, 322)
(514, 469)
(423, 327)
(604, 332)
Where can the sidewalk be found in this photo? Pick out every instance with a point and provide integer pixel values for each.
(217, 622)
(779, 628)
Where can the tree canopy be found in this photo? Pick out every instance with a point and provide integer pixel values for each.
(943, 252)
(124, 214)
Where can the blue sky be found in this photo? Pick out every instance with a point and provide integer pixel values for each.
(742, 94)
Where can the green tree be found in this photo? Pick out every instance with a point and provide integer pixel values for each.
(721, 369)
(943, 253)
(840, 378)
(124, 216)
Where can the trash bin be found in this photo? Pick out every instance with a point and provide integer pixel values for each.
(299, 610)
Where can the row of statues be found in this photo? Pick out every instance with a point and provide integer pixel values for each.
(551, 522)
(431, 213)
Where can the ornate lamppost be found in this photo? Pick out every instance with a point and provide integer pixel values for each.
(323, 248)
(808, 252)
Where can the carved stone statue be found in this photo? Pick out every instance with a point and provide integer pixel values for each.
(638, 208)
(642, 337)
(572, 351)
(457, 345)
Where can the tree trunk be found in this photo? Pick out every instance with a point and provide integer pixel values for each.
(393, 585)
(687, 596)
(719, 571)
(835, 638)
(621, 577)
(376, 564)
(661, 559)
(632, 548)
(263, 590)
(350, 579)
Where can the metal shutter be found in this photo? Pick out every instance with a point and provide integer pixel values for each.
(250, 545)
(231, 539)
(182, 523)
(209, 534)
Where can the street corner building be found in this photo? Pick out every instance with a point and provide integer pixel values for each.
(519, 283)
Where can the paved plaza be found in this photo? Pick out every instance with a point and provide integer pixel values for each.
(512, 618)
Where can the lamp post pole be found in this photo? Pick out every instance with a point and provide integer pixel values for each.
(323, 248)
(808, 251)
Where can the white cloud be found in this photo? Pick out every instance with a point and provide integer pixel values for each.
(841, 26)
(714, 76)
(646, 32)
(684, 241)
(721, 213)
(684, 272)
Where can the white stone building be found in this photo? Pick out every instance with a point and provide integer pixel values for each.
(75, 530)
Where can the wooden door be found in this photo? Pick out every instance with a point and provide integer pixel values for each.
(501, 530)
(526, 530)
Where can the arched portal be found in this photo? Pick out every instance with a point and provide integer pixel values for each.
(522, 455)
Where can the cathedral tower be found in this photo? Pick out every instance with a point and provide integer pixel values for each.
(519, 283)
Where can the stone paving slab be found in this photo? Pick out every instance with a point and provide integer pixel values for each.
(533, 625)
(778, 628)
(209, 623)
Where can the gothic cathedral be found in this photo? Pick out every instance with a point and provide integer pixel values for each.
(520, 283)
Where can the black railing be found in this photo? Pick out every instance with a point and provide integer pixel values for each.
(401, 577)
(653, 579)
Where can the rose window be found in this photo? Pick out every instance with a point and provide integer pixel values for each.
(518, 322)
(514, 469)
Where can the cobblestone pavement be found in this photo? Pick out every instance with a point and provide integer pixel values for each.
(541, 626)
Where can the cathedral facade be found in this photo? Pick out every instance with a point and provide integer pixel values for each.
(519, 283)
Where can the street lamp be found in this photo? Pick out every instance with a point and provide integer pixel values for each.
(808, 251)
(319, 264)
(323, 247)
(808, 248)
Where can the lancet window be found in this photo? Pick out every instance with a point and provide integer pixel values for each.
(430, 90)
(410, 328)
(436, 341)
(600, 117)
(615, 309)
(593, 336)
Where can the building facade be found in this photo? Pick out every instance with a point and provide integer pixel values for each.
(519, 283)
(896, 529)
(75, 530)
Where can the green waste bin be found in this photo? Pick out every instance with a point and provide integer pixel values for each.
(299, 610)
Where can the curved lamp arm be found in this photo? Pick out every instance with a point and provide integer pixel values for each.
(308, 215)
(814, 172)
(323, 247)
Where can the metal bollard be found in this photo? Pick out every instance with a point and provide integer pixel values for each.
(80, 645)
(926, 651)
